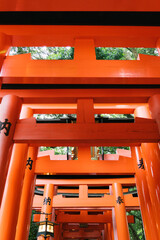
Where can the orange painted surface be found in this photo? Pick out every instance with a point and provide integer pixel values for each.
(9, 109)
(154, 102)
(76, 203)
(104, 36)
(82, 234)
(120, 213)
(67, 226)
(13, 188)
(63, 217)
(22, 69)
(110, 96)
(85, 134)
(121, 165)
(148, 217)
(85, 111)
(46, 208)
(92, 182)
(23, 224)
(99, 108)
(80, 6)
(5, 43)
(151, 158)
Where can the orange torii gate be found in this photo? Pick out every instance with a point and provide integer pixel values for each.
(83, 86)
(85, 151)
(83, 202)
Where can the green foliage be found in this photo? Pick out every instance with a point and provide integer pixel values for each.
(64, 53)
(46, 53)
(33, 229)
(136, 230)
(112, 150)
(110, 53)
(117, 115)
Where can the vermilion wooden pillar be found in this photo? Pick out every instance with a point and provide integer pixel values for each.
(47, 203)
(13, 188)
(120, 212)
(149, 222)
(151, 158)
(154, 106)
(24, 217)
(5, 43)
(107, 232)
(9, 113)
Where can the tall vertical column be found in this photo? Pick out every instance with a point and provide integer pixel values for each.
(9, 114)
(47, 203)
(24, 217)
(114, 228)
(106, 232)
(120, 212)
(14, 182)
(5, 43)
(148, 217)
(151, 159)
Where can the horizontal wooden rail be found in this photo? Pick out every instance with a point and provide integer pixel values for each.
(85, 134)
(104, 36)
(59, 96)
(124, 166)
(107, 201)
(22, 69)
(90, 182)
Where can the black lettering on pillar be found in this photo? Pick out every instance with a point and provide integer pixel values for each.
(6, 126)
(119, 200)
(47, 201)
(29, 163)
(141, 164)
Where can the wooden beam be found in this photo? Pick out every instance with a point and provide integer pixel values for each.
(104, 36)
(22, 69)
(60, 96)
(90, 182)
(107, 201)
(122, 166)
(82, 234)
(99, 108)
(84, 134)
(83, 217)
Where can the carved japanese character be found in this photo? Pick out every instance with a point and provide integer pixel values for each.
(119, 200)
(141, 164)
(5, 125)
(47, 200)
(29, 163)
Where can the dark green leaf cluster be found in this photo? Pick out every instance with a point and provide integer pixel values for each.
(45, 53)
(136, 230)
(33, 229)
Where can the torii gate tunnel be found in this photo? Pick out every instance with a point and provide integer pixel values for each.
(87, 192)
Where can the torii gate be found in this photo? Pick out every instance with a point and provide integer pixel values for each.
(83, 86)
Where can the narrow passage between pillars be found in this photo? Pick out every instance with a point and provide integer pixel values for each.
(13, 188)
